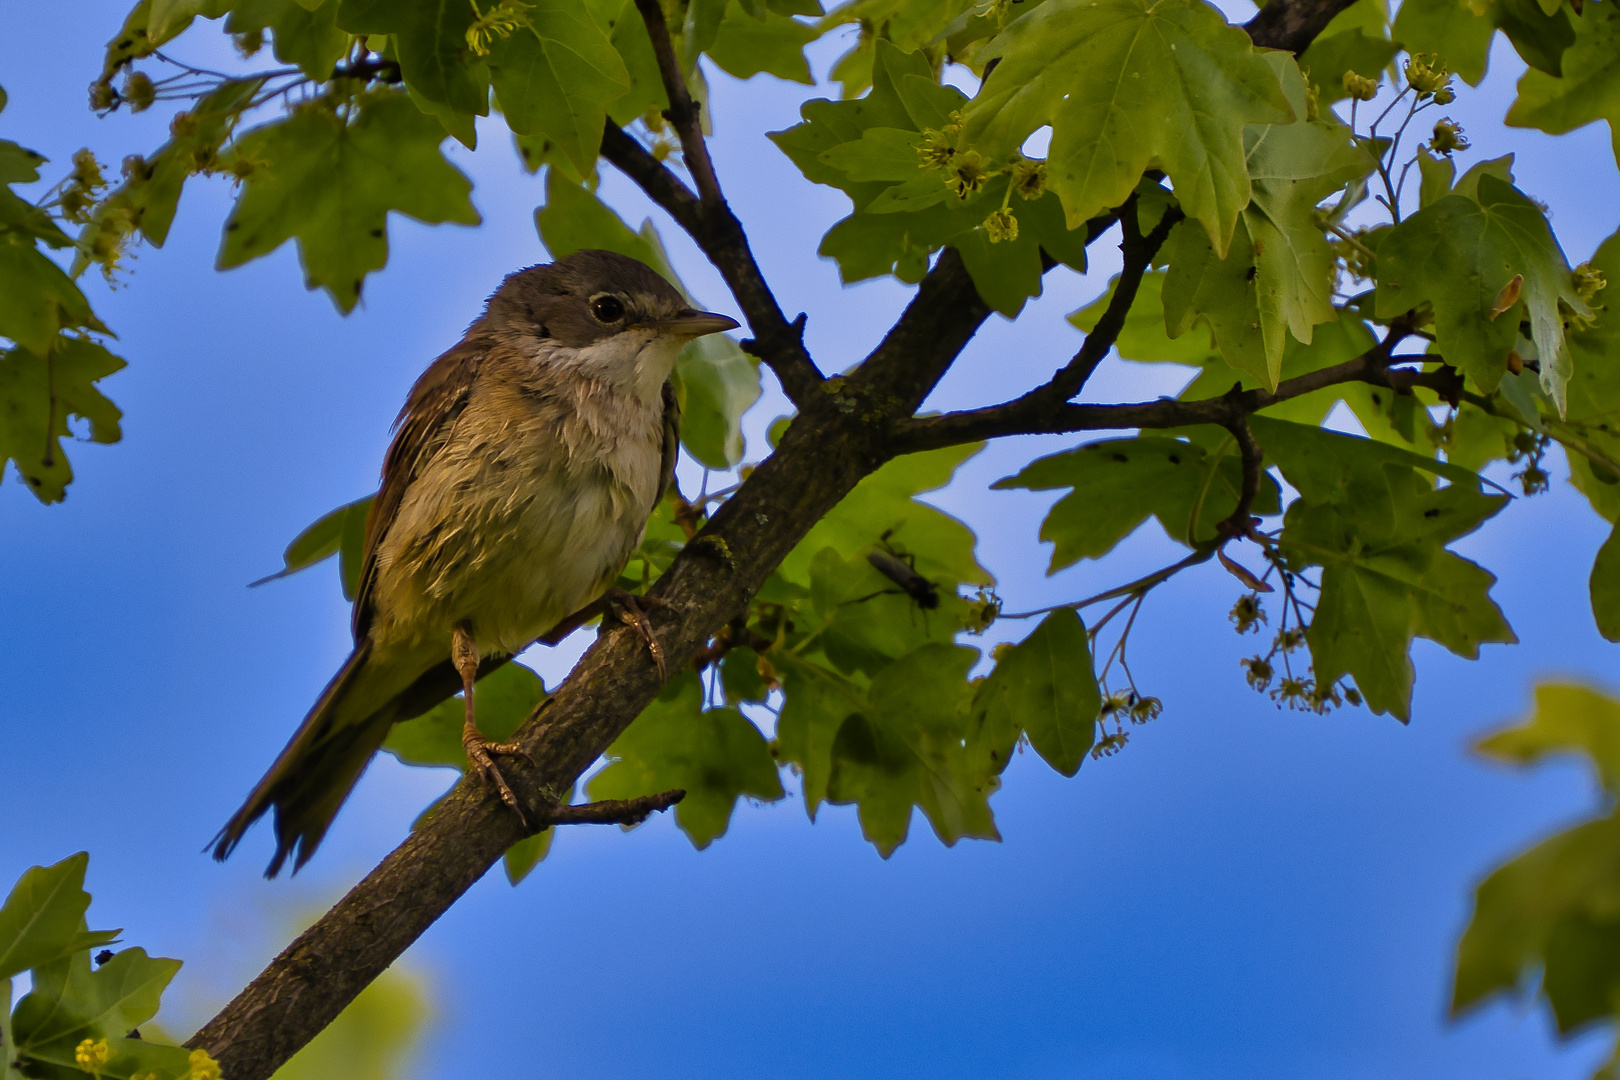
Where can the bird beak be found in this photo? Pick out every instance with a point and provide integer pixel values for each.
(695, 324)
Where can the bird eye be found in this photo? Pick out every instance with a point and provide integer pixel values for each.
(607, 309)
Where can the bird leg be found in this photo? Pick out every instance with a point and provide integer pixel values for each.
(480, 751)
(630, 609)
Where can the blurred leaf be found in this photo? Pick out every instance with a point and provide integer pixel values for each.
(556, 75)
(1333, 54)
(372, 1039)
(39, 394)
(773, 44)
(1118, 483)
(715, 755)
(1589, 89)
(331, 181)
(41, 918)
(1194, 82)
(303, 33)
(1458, 254)
(1045, 684)
(1568, 718)
(1605, 587)
(1143, 337)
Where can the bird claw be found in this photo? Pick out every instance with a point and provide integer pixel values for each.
(481, 754)
(630, 609)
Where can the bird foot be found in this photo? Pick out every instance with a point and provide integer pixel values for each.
(481, 755)
(631, 610)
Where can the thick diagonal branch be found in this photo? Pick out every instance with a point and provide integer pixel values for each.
(1293, 24)
(829, 447)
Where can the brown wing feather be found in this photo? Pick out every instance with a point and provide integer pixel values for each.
(672, 445)
(433, 405)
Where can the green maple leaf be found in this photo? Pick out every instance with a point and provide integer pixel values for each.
(70, 1001)
(41, 918)
(37, 396)
(903, 212)
(302, 33)
(1125, 82)
(715, 755)
(1046, 686)
(556, 75)
(747, 44)
(1590, 88)
(1368, 515)
(340, 532)
(908, 749)
(1279, 275)
(441, 71)
(1458, 254)
(1461, 33)
(885, 506)
(1118, 483)
(330, 181)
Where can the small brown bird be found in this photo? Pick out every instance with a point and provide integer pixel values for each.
(525, 464)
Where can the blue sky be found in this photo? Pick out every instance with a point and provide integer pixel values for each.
(1241, 892)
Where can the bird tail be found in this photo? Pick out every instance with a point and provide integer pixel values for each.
(322, 763)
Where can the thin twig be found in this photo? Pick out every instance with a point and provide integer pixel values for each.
(683, 112)
(614, 811)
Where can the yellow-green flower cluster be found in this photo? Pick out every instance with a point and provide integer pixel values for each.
(497, 22)
(1001, 225)
(203, 1067)
(1426, 73)
(1448, 138)
(92, 1055)
(1588, 281)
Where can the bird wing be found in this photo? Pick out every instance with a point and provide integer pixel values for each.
(672, 445)
(435, 402)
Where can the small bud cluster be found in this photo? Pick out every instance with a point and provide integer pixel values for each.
(203, 1067)
(1359, 87)
(1247, 614)
(1588, 281)
(1448, 138)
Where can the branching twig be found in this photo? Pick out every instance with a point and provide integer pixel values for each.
(1016, 418)
(613, 811)
(778, 342)
(683, 112)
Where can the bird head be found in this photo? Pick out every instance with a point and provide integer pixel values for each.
(604, 315)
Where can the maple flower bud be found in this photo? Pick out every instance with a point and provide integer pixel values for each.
(102, 96)
(1028, 178)
(1360, 87)
(1445, 96)
(1588, 281)
(139, 91)
(966, 174)
(1258, 671)
(1247, 614)
(92, 1054)
(1426, 73)
(203, 1067)
(183, 124)
(1001, 225)
(87, 170)
(1448, 137)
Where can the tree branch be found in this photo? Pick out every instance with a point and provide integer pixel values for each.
(1293, 24)
(613, 811)
(1017, 417)
(718, 233)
